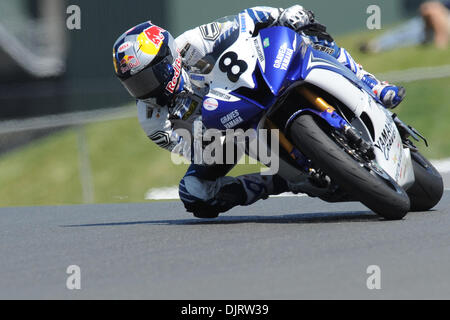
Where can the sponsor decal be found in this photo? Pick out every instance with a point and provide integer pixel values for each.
(197, 77)
(323, 48)
(128, 62)
(266, 42)
(124, 46)
(150, 40)
(386, 139)
(231, 120)
(219, 94)
(177, 72)
(210, 104)
(259, 53)
(155, 35)
(283, 58)
(399, 161)
(242, 22)
(210, 31)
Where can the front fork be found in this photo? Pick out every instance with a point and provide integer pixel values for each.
(329, 114)
(294, 153)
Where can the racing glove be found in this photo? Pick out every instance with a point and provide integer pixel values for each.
(295, 17)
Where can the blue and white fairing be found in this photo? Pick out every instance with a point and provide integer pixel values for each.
(250, 75)
(276, 58)
(271, 60)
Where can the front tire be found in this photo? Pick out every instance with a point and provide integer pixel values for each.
(374, 192)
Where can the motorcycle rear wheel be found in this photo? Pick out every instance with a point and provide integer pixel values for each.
(428, 187)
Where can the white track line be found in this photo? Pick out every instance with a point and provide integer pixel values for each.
(443, 166)
(166, 193)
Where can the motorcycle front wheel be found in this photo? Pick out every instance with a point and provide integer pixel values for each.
(380, 194)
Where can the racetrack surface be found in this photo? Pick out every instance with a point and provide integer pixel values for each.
(280, 248)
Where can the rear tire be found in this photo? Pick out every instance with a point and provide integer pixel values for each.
(374, 192)
(428, 187)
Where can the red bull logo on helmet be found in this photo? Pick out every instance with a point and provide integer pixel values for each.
(128, 62)
(155, 35)
(151, 39)
(177, 72)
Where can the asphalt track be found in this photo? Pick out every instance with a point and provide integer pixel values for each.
(280, 248)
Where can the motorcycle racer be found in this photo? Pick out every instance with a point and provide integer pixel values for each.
(165, 75)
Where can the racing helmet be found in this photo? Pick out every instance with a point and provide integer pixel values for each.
(147, 62)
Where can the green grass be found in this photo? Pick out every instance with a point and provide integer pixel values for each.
(125, 163)
(427, 108)
(41, 173)
(398, 59)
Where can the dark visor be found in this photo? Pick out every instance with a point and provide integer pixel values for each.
(150, 80)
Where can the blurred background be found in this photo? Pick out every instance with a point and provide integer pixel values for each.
(68, 129)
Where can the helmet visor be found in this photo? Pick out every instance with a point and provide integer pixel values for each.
(150, 81)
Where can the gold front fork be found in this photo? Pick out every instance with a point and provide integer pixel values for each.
(313, 98)
(285, 143)
(317, 101)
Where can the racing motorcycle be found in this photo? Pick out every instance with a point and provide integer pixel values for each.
(338, 142)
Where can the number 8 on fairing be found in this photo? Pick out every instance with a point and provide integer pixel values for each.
(234, 67)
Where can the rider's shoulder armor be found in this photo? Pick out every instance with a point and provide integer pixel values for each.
(202, 46)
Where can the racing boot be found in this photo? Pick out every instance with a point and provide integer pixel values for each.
(257, 186)
(389, 94)
(207, 199)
